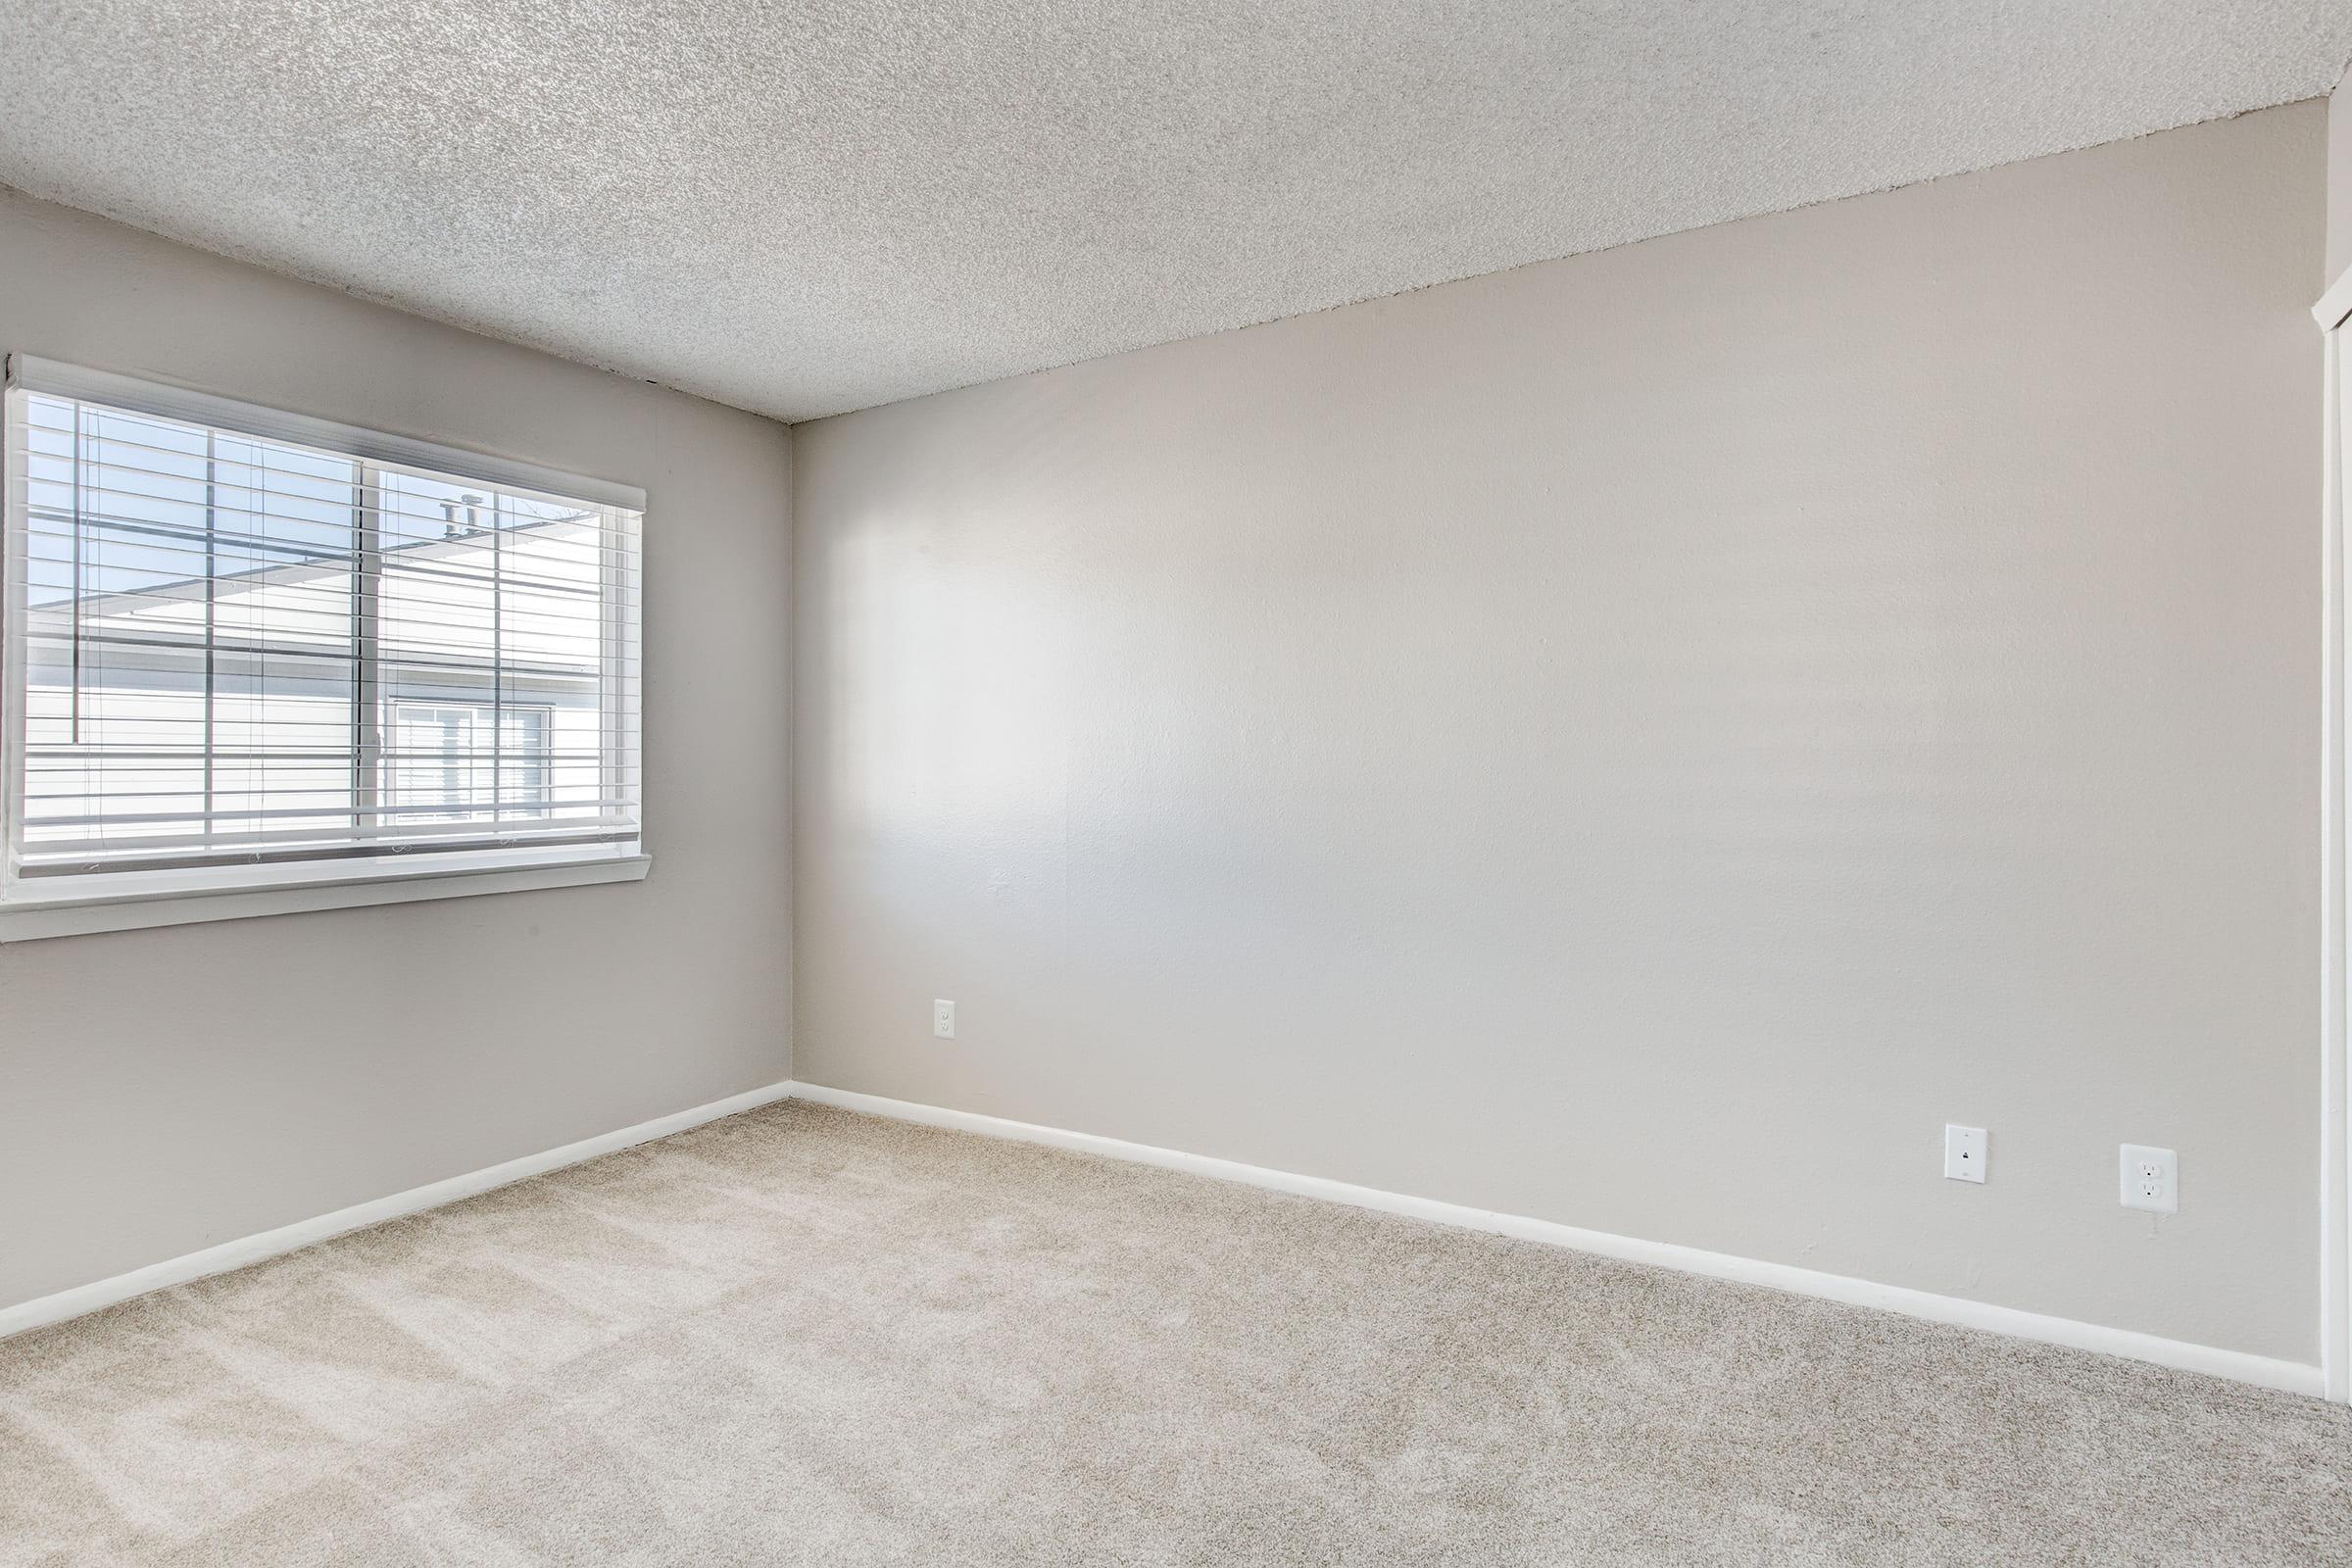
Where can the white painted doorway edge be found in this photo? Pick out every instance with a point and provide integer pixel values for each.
(2332, 312)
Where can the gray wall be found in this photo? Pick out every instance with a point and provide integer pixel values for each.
(2339, 180)
(161, 1091)
(1642, 740)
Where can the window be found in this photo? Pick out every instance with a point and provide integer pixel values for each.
(248, 651)
(438, 752)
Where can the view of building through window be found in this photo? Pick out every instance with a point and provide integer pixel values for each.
(440, 751)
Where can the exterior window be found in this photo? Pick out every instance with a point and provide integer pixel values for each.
(250, 650)
(440, 754)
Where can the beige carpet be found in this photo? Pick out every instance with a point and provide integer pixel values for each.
(802, 1336)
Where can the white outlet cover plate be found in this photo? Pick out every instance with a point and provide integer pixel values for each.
(1964, 1152)
(2151, 1179)
(943, 1019)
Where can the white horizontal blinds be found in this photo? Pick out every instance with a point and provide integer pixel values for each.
(234, 648)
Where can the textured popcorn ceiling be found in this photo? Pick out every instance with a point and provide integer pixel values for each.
(805, 209)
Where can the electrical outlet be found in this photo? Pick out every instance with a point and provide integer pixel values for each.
(2151, 1179)
(943, 1019)
(1964, 1152)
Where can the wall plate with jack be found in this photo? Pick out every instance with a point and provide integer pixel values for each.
(1964, 1152)
(2151, 1179)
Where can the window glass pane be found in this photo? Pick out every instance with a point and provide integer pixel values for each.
(188, 672)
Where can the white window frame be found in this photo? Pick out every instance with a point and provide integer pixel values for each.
(120, 900)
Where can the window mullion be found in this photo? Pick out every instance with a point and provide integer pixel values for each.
(367, 620)
(74, 697)
(498, 665)
(211, 611)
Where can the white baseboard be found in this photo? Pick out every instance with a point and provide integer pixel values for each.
(2262, 1370)
(90, 1298)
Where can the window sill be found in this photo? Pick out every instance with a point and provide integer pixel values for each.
(34, 920)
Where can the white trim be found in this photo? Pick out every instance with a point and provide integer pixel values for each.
(219, 1259)
(174, 401)
(2335, 1066)
(2335, 305)
(2262, 1370)
(36, 922)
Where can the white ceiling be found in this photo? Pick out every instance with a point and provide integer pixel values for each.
(802, 208)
